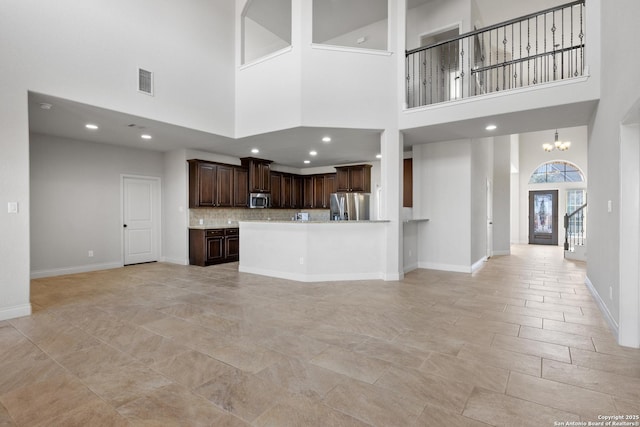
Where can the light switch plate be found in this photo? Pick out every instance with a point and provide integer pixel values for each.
(12, 207)
(609, 206)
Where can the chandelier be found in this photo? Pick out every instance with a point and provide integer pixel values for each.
(557, 145)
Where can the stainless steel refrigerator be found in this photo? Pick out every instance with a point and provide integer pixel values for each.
(349, 206)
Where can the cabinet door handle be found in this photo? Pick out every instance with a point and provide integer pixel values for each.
(125, 226)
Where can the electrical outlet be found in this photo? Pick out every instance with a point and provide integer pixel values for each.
(410, 253)
(301, 260)
(201, 221)
(90, 254)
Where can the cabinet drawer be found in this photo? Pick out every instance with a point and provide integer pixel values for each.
(212, 233)
(231, 231)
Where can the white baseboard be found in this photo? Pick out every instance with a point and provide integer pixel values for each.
(312, 277)
(393, 277)
(38, 274)
(603, 307)
(501, 253)
(7, 313)
(410, 267)
(478, 264)
(178, 261)
(445, 267)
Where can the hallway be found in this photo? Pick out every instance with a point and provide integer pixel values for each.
(520, 342)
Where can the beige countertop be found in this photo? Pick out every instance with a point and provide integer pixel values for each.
(279, 221)
(234, 224)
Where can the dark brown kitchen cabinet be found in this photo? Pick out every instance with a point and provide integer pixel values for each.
(356, 179)
(286, 191)
(323, 186)
(213, 246)
(330, 186)
(210, 184)
(407, 183)
(307, 191)
(240, 187)
(276, 185)
(259, 174)
(297, 192)
(231, 244)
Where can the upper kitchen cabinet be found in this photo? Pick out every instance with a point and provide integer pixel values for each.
(297, 192)
(240, 187)
(323, 186)
(210, 184)
(259, 174)
(355, 178)
(276, 187)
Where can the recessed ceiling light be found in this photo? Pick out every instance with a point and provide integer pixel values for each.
(491, 127)
(306, 162)
(145, 136)
(45, 106)
(313, 153)
(326, 139)
(378, 156)
(255, 150)
(91, 126)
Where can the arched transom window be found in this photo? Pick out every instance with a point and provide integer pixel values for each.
(556, 171)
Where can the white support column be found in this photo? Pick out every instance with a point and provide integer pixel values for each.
(391, 174)
(14, 201)
(629, 321)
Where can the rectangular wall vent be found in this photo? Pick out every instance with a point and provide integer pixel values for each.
(145, 81)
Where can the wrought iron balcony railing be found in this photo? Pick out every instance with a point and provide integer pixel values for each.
(538, 48)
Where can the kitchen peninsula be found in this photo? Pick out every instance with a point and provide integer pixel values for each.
(313, 251)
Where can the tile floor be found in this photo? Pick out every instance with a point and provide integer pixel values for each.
(519, 343)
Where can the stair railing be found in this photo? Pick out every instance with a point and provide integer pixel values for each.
(575, 228)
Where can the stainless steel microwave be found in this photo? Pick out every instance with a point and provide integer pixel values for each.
(259, 200)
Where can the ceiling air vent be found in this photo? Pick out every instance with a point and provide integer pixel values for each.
(145, 81)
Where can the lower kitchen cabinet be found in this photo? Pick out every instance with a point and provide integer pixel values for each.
(213, 246)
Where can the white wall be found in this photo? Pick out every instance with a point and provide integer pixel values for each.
(501, 195)
(435, 16)
(175, 203)
(375, 35)
(345, 87)
(619, 92)
(514, 214)
(90, 53)
(76, 202)
(442, 193)
(481, 171)
(532, 156)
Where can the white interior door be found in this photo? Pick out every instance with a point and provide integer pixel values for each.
(141, 219)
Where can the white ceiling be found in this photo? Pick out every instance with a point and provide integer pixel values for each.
(577, 114)
(67, 119)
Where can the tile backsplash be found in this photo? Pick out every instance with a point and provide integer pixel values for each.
(222, 216)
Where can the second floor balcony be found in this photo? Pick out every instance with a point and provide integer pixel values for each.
(541, 47)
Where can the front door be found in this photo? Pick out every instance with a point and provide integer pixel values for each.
(543, 217)
(141, 215)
